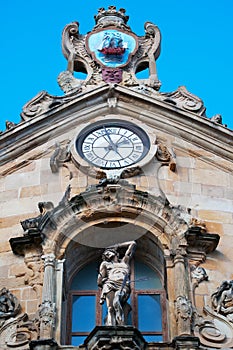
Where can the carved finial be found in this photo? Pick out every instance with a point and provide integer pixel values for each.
(10, 125)
(217, 118)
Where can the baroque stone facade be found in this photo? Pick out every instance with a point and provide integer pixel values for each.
(161, 176)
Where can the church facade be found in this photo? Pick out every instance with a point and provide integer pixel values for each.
(116, 206)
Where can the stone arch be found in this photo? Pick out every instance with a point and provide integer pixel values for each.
(118, 204)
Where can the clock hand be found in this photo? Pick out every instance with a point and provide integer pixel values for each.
(110, 140)
(123, 142)
(112, 144)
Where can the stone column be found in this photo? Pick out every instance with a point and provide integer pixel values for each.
(47, 308)
(183, 305)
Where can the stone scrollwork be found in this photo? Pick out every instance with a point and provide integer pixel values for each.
(43, 102)
(215, 330)
(26, 331)
(185, 100)
(9, 304)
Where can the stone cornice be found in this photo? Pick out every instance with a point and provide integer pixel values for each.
(187, 125)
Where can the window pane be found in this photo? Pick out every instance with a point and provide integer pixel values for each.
(153, 338)
(78, 340)
(145, 277)
(86, 279)
(149, 313)
(83, 313)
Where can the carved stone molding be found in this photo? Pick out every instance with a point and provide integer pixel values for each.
(186, 343)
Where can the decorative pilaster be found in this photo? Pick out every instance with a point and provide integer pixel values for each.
(183, 305)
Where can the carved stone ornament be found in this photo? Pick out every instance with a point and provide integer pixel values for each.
(44, 103)
(217, 118)
(184, 312)
(60, 156)
(24, 332)
(47, 317)
(9, 304)
(111, 45)
(166, 157)
(17, 332)
(34, 274)
(198, 273)
(183, 99)
(214, 331)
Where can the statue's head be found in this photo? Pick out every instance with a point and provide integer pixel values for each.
(109, 254)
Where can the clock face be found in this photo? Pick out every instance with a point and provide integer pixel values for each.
(113, 145)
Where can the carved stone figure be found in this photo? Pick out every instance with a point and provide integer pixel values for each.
(198, 273)
(222, 299)
(113, 279)
(9, 305)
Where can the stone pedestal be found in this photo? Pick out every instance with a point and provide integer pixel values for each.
(114, 338)
(46, 344)
(186, 343)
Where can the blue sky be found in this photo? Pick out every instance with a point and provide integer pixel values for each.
(197, 48)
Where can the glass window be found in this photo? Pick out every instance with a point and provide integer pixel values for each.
(83, 313)
(149, 313)
(147, 301)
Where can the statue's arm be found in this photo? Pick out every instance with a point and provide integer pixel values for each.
(130, 250)
(102, 276)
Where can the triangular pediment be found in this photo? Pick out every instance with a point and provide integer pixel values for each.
(47, 117)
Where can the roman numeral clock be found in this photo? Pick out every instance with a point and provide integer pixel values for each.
(112, 144)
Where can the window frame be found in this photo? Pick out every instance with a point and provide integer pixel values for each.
(133, 301)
